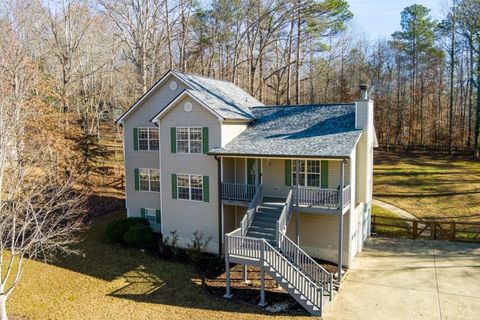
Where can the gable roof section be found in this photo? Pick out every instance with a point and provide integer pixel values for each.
(317, 131)
(184, 93)
(224, 98)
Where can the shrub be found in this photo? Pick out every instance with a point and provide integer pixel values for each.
(170, 247)
(139, 236)
(134, 221)
(198, 245)
(115, 231)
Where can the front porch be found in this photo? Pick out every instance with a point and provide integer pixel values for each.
(317, 185)
(310, 199)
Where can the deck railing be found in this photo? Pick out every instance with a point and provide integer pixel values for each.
(251, 210)
(330, 198)
(238, 191)
(306, 263)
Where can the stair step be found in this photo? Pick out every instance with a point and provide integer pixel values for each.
(263, 224)
(265, 219)
(254, 234)
(270, 229)
(269, 209)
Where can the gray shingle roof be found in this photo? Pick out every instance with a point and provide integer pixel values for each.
(309, 131)
(225, 98)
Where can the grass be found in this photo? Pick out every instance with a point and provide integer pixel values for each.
(112, 282)
(396, 228)
(429, 187)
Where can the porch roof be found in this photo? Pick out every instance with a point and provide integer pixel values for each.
(324, 130)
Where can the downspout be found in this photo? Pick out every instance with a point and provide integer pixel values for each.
(220, 222)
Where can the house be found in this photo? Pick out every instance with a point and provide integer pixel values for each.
(272, 186)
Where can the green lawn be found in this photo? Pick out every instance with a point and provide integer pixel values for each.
(111, 282)
(429, 186)
(396, 228)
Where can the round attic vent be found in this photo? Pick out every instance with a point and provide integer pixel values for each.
(173, 85)
(187, 106)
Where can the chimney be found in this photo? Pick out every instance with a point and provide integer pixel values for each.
(363, 91)
(364, 109)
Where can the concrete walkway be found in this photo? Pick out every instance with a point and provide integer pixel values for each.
(411, 279)
(390, 207)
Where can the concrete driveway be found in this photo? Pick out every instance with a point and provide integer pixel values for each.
(411, 279)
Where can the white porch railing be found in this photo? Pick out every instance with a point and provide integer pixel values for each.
(238, 191)
(251, 210)
(330, 198)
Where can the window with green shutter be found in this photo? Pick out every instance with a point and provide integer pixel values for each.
(174, 186)
(205, 140)
(324, 174)
(137, 180)
(173, 140)
(158, 216)
(206, 189)
(135, 139)
(142, 213)
(288, 173)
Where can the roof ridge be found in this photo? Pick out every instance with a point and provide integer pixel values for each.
(306, 105)
(205, 77)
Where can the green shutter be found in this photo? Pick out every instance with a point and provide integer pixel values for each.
(135, 139)
(324, 174)
(173, 140)
(158, 216)
(174, 186)
(288, 173)
(137, 180)
(142, 213)
(205, 140)
(206, 189)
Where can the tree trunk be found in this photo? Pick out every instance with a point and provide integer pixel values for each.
(3, 307)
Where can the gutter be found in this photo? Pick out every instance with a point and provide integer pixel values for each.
(220, 236)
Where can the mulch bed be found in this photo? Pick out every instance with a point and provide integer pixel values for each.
(278, 300)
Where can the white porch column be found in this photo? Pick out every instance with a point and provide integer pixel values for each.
(340, 221)
(297, 218)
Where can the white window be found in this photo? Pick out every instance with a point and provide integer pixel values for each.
(190, 187)
(309, 174)
(151, 215)
(148, 138)
(189, 140)
(149, 179)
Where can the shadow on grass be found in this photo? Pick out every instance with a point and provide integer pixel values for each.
(142, 277)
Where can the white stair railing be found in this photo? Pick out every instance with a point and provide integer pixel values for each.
(251, 210)
(285, 216)
(306, 263)
(267, 255)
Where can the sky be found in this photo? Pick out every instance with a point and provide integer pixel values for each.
(380, 18)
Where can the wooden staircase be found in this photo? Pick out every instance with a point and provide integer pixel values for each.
(261, 241)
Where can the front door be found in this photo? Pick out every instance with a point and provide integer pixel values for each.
(251, 171)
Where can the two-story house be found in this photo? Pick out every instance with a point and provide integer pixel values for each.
(271, 186)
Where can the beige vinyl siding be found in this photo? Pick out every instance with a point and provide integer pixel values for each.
(182, 215)
(229, 170)
(231, 131)
(229, 219)
(365, 151)
(140, 118)
(319, 235)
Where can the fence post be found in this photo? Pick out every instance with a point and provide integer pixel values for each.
(262, 274)
(453, 231)
(415, 229)
(227, 294)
